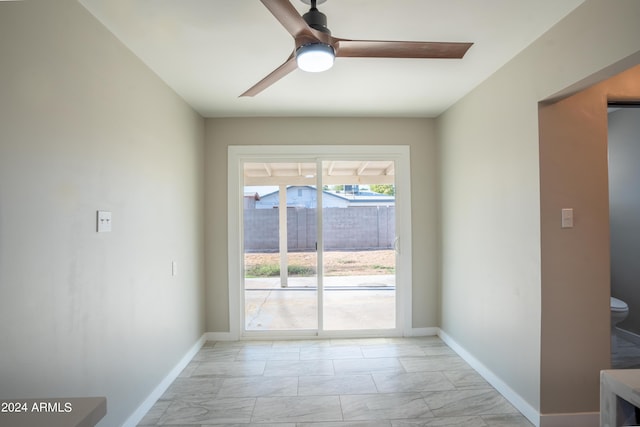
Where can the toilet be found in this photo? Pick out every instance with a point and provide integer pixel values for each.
(619, 312)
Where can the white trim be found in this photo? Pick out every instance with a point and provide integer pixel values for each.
(580, 419)
(503, 388)
(235, 237)
(404, 266)
(320, 245)
(157, 392)
(237, 154)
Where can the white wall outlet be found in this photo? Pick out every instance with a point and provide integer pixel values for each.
(174, 268)
(567, 218)
(104, 222)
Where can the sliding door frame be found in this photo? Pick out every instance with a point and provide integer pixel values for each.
(238, 155)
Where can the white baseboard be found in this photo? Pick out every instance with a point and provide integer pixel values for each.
(581, 419)
(148, 403)
(514, 398)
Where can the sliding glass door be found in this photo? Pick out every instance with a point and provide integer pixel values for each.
(319, 241)
(319, 245)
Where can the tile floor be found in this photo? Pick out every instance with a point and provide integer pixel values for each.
(333, 383)
(626, 356)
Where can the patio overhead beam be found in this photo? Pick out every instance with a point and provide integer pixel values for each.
(268, 169)
(362, 167)
(330, 170)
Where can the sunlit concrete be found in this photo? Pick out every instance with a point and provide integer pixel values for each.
(350, 303)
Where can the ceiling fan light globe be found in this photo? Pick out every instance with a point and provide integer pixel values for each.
(315, 57)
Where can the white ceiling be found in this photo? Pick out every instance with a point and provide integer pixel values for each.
(210, 51)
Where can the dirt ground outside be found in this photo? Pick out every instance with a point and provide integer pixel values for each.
(336, 263)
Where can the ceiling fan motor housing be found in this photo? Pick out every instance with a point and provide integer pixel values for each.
(316, 20)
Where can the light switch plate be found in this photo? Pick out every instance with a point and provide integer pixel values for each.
(104, 222)
(567, 218)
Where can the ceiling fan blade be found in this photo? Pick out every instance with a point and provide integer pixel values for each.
(288, 16)
(288, 66)
(399, 49)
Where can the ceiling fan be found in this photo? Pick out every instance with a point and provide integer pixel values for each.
(316, 49)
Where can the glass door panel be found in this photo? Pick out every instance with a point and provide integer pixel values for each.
(280, 262)
(358, 230)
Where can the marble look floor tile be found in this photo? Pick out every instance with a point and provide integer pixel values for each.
(467, 378)
(442, 422)
(380, 423)
(392, 350)
(297, 409)
(259, 386)
(392, 382)
(384, 406)
(270, 355)
(191, 425)
(333, 352)
(214, 354)
(420, 341)
(363, 342)
(468, 402)
(192, 386)
(626, 355)
(189, 369)
(335, 385)
(288, 345)
(250, 425)
(359, 366)
(243, 346)
(209, 411)
(416, 381)
(434, 363)
(437, 350)
(152, 417)
(507, 421)
(298, 368)
(230, 369)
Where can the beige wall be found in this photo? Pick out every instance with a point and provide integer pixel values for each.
(624, 210)
(575, 262)
(494, 284)
(417, 133)
(490, 232)
(84, 125)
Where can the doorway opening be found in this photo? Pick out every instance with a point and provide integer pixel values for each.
(322, 241)
(624, 223)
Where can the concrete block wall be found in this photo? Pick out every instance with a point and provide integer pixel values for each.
(369, 227)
